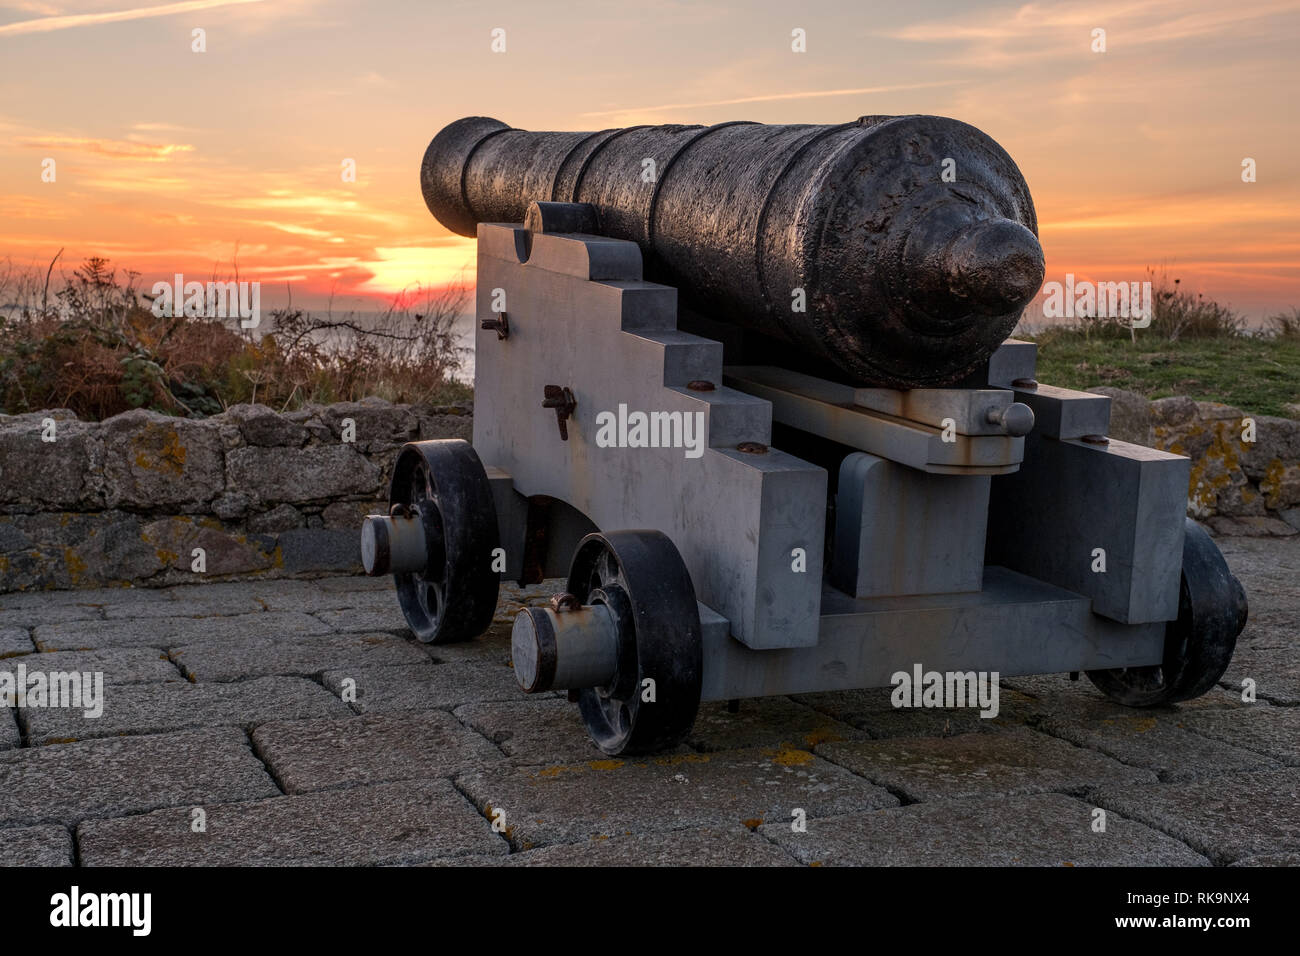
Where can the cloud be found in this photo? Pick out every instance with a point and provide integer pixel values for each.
(46, 24)
(161, 128)
(771, 97)
(14, 206)
(1009, 36)
(294, 230)
(30, 6)
(117, 148)
(318, 204)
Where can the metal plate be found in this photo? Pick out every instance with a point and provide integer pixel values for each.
(736, 518)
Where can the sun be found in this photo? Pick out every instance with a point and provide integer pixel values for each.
(401, 269)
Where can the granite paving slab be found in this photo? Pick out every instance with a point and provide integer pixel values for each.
(571, 803)
(1227, 819)
(163, 708)
(384, 824)
(15, 641)
(36, 846)
(424, 686)
(1046, 829)
(124, 775)
(306, 755)
(174, 631)
(307, 656)
(1016, 761)
(1262, 728)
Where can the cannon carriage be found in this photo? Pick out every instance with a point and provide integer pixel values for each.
(749, 390)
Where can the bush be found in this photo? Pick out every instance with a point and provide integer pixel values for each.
(1176, 315)
(1285, 325)
(95, 346)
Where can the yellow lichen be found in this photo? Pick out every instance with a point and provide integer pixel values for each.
(822, 735)
(789, 757)
(554, 771)
(75, 565)
(169, 459)
(1271, 483)
(674, 759)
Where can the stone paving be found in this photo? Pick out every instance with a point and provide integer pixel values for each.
(296, 722)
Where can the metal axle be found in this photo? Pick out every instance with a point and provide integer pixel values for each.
(394, 544)
(571, 648)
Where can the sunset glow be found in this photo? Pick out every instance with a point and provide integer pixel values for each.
(169, 160)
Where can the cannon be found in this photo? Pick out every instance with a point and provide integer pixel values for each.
(903, 279)
(749, 390)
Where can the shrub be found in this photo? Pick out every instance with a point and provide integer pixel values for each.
(95, 346)
(1176, 315)
(1285, 325)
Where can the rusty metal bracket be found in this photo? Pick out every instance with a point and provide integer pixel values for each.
(500, 325)
(564, 601)
(562, 400)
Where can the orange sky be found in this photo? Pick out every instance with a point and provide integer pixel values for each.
(168, 160)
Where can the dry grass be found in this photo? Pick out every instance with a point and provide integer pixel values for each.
(1177, 316)
(91, 342)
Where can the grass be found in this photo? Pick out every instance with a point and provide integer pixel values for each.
(1193, 347)
(1255, 374)
(92, 343)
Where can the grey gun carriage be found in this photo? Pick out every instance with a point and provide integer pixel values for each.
(749, 388)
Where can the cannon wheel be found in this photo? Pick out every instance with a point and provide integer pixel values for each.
(454, 597)
(640, 575)
(1212, 611)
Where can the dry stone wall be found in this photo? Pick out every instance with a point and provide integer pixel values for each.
(130, 500)
(1245, 468)
(127, 501)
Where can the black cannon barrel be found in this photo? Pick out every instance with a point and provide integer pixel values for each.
(900, 249)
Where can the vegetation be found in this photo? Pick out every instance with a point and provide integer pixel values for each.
(92, 343)
(1194, 346)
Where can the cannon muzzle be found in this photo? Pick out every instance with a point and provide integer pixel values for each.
(900, 250)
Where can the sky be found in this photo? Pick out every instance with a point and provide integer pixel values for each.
(169, 160)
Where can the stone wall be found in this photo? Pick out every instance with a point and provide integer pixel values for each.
(1245, 468)
(129, 499)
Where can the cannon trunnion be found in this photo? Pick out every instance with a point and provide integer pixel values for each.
(730, 530)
